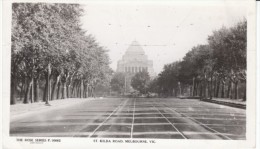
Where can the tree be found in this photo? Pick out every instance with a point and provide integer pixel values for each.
(140, 81)
(49, 46)
(153, 86)
(216, 69)
(168, 79)
(197, 68)
(118, 82)
(229, 50)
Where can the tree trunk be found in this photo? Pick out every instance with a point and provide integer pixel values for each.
(196, 88)
(32, 90)
(190, 88)
(22, 90)
(91, 91)
(228, 90)
(13, 90)
(78, 90)
(201, 90)
(68, 91)
(208, 89)
(223, 89)
(58, 91)
(54, 88)
(65, 91)
(236, 90)
(62, 90)
(73, 89)
(36, 90)
(205, 87)
(193, 86)
(231, 91)
(211, 86)
(50, 88)
(214, 88)
(48, 84)
(87, 90)
(244, 97)
(27, 94)
(45, 88)
(217, 89)
(82, 88)
(65, 87)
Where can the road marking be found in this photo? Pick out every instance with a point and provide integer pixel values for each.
(171, 124)
(132, 128)
(199, 123)
(106, 119)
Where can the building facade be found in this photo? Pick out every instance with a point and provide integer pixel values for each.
(134, 60)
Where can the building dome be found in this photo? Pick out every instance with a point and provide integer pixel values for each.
(135, 60)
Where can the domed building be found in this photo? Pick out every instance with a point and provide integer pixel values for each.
(133, 61)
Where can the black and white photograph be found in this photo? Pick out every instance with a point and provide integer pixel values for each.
(120, 72)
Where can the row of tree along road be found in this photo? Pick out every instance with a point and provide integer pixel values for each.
(216, 69)
(52, 56)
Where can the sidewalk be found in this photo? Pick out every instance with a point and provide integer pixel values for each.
(18, 111)
(238, 103)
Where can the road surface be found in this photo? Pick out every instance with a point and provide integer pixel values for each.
(165, 118)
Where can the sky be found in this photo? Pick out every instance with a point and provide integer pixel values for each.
(166, 31)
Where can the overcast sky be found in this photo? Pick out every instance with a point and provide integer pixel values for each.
(167, 31)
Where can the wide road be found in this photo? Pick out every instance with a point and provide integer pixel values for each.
(165, 118)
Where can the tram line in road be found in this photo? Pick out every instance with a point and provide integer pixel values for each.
(107, 119)
(133, 120)
(171, 123)
(150, 118)
(207, 127)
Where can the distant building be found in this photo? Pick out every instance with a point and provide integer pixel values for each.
(134, 60)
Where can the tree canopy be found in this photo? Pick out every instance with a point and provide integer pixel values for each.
(49, 45)
(213, 69)
(140, 81)
(118, 82)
